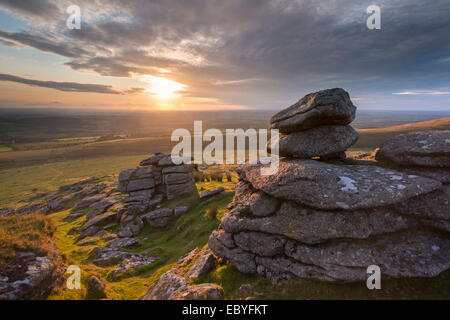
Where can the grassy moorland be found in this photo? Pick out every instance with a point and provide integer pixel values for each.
(178, 238)
(373, 138)
(24, 182)
(29, 233)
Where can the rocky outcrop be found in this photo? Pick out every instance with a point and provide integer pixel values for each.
(130, 224)
(211, 193)
(30, 276)
(324, 141)
(157, 175)
(157, 178)
(6, 212)
(424, 149)
(133, 263)
(204, 291)
(106, 257)
(96, 289)
(424, 154)
(313, 226)
(204, 263)
(124, 243)
(313, 219)
(326, 107)
(174, 284)
(327, 186)
(317, 126)
(159, 218)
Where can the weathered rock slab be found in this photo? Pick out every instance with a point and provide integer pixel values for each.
(204, 291)
(327, 186)
(323, 141)
(426, 148)
(210, 193)
(202, 265)
(326, 107)
(133, 263)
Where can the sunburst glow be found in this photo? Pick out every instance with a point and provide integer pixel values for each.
(163, 89)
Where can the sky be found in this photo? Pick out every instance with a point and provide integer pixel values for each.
(217, 54)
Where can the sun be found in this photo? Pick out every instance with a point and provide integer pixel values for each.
(163, 89)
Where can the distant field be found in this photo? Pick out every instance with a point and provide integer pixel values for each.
(45, 170)
(115, 148)
(5, 149)
(19, 183)
(373, 138)
(369, 139)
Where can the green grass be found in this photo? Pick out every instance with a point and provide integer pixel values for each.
(5, 148)
(179, 237)
(22, 183)
(373, 138)
(230, 279)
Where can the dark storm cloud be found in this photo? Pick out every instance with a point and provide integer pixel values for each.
(61, 86)
(31, 8)
(290, 46)
(44, 44)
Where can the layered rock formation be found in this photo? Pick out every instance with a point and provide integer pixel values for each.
(317, 220)
(423, 153)
(30, 276)
(157, 178)
(317, 126)
(330, 222)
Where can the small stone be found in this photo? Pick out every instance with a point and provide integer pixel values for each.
(178, 211)
(96, 289)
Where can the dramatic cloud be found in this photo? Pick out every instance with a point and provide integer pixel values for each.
(40, 9)
(43, 44)
(61, 86)
(412, 93)
(273, 50)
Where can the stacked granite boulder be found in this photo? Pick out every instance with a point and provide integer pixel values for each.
(424, 153)
(313, 219)
(317, 126)
(156, 179)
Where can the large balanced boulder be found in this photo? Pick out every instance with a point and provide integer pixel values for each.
(327, 107)
(316, 126)
(427, 148)
(322, 141)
